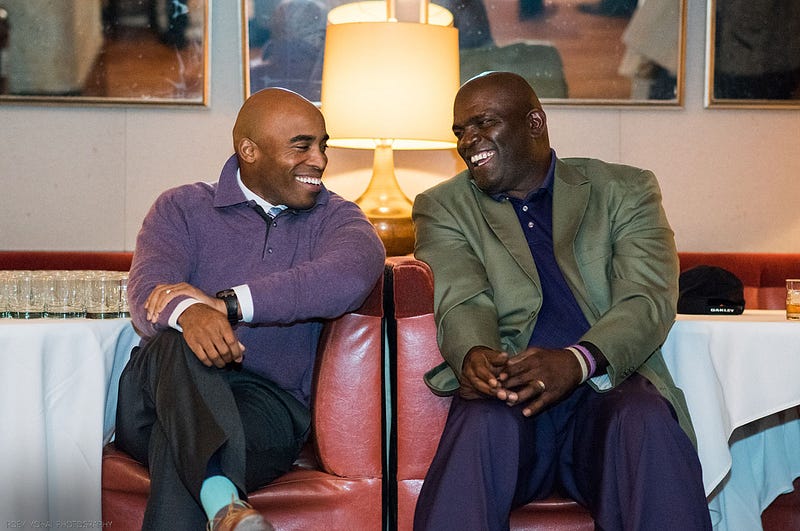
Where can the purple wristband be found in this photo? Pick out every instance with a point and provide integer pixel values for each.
(590, 361)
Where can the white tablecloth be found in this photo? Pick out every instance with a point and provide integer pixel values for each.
(740, 375)
(58, 393)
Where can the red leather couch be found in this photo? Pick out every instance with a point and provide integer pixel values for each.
(337, 483)
(418, 416)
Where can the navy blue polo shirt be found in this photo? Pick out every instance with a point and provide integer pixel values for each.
(561, 322)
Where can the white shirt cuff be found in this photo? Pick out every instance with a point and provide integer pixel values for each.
(245, 302)
(603, 382)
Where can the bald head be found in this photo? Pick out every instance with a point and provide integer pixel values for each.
(510, 88)
(280, 142)
(265, 108)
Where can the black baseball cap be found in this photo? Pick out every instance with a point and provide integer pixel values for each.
(710, 290)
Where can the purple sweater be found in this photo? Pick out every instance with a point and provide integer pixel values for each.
(313, 265)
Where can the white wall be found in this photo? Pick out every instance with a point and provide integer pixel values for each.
(82, 178)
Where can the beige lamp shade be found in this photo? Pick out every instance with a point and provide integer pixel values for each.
(392, 81)
(389, 85)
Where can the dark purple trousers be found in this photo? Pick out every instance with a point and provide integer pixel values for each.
(621, 454)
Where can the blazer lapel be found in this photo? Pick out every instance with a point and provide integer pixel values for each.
(570, 197)
(503, 221)
(571, 191)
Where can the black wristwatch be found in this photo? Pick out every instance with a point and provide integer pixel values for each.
(231, 304)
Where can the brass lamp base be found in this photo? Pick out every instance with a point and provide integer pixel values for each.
(385, 204)
(397, 234)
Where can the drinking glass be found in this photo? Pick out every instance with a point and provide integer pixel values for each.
(5, 279)
(65, 297)
(124, 310)
(793, 298)
(102, 295)
(27, 294)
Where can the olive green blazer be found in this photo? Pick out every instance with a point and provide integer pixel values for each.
(612, 242)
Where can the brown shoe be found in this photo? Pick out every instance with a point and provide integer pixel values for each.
(239, 516)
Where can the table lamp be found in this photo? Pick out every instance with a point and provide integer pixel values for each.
(389, 85)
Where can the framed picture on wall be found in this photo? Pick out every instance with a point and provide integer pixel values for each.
(753, 54)
(116, 52)
(592, 52)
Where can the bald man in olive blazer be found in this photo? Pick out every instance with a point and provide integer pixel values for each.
(555, 284)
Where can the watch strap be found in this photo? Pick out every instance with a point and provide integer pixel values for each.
(231, 301)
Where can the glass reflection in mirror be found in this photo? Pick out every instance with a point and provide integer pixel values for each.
(753, 53)
(105, 51)
(611, 52)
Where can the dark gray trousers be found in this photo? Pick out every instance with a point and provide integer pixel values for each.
(620, 453)
(174, 413)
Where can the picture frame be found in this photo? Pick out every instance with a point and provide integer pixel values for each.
(753, 54)
(633, 56)
(115, 52)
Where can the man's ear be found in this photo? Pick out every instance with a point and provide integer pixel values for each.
(246, 149)
(537, 121)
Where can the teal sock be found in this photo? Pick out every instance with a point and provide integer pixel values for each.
(215, 493)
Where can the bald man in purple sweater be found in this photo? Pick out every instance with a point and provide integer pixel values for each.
(229, 287)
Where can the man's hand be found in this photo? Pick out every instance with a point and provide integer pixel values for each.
(210, 336)
(479, 374)
(538, 378)
(164, 293)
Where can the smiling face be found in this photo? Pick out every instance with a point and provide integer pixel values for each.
(280, 140)
(502, 134)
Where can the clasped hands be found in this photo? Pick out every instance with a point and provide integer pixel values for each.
(537, 377)
(205, 325)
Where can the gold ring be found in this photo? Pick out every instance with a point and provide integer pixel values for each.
(541, 385)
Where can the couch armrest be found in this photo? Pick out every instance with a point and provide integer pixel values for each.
(347, 408)
(418, 413)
